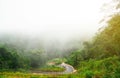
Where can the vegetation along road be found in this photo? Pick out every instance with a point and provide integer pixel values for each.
(68, 70)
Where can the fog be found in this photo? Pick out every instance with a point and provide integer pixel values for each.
(50, 24)
(53, 17)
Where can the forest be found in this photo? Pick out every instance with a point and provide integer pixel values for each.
(21, 56)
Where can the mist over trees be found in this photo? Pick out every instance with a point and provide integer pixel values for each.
(102, 53)
(98, 57)
(106, 41)
(26, 52)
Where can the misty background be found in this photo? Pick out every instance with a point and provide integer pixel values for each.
(52, 26)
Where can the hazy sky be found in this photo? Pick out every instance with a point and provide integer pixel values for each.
(51, 17)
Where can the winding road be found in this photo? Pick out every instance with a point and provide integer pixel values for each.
(68, 70)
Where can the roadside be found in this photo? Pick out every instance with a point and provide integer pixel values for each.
(68, 70)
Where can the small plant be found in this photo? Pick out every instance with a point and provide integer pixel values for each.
(89, 74)
(117, 73)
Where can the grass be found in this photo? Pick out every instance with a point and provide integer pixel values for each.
(29, 75)
(57, 61)
(51, 69)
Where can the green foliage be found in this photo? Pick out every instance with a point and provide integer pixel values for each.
(35, 58)
(57, 61)
(100, 57)
(8, 60)
(107, 43)
(11, 60)
(51, 69)
(29, 75)
(74, 58)
(108, 67)
(89, 74)
(18, 60)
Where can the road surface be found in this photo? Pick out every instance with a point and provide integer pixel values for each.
(68, 68)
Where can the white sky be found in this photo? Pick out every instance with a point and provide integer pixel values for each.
(50, 16)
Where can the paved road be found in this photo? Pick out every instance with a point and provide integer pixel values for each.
(68, 70)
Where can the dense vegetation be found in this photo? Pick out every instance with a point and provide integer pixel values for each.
(10, 60)
(101, 56)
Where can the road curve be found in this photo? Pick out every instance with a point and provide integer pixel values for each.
(68, 70)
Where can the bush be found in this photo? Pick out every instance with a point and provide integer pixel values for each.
(107, 67)
(88, 74)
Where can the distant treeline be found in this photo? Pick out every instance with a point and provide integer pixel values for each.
(10, 59)
(20, 52)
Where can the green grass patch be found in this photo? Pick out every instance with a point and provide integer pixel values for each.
(57, 60)
(51, 69)
(28, 75)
